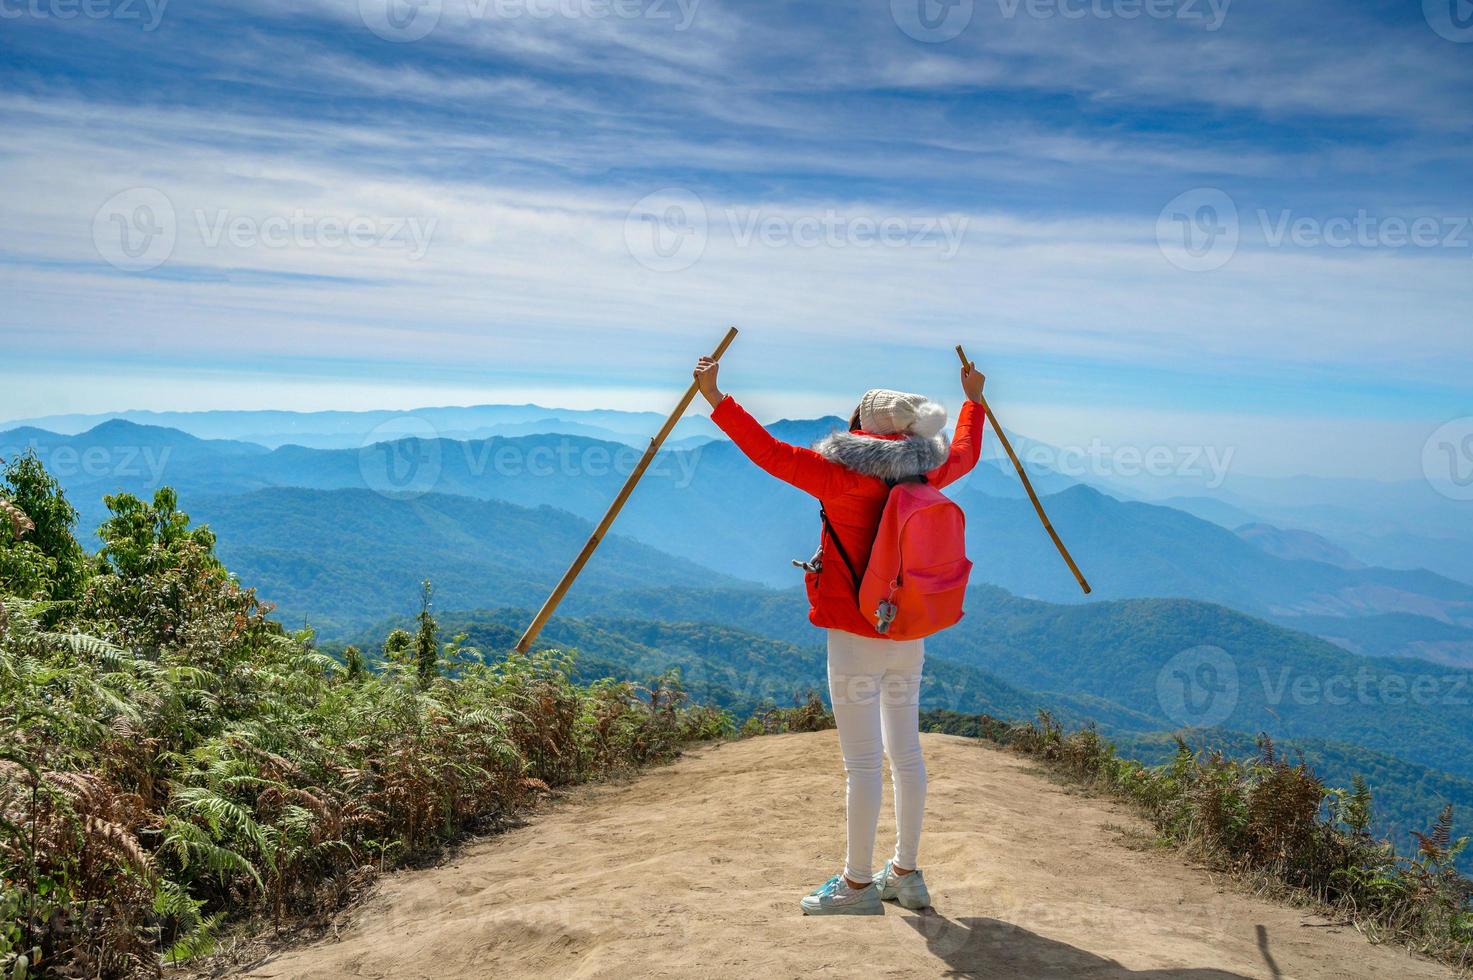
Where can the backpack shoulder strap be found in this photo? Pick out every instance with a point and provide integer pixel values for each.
(839, 545)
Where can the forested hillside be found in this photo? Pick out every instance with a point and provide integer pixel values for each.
(339, 559)
(730, 668)
(1284, 682)
(692, 504)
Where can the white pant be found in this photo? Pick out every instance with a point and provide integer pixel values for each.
(875, 689)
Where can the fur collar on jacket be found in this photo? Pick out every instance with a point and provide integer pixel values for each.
(883, 457)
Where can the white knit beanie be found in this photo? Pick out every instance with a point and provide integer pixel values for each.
(886, 412)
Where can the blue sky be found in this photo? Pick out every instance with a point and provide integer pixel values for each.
(1241, 224)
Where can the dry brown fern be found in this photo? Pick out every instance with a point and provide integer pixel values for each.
(20, 524)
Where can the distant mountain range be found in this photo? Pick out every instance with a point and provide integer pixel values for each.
(350, 430)
(1393, 524)
(702, 505)
(1402, 524)
(1131, 549)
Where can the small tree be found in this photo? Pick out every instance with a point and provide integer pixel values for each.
(427, 638)
(160, 583)
(141, 538)
(39, 556)
(353, 660)
(396, 644)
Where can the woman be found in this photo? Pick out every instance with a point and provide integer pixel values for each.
(874, 683)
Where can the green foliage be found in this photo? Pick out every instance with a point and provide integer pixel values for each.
(426, 637)
(811, 715)
(1405, 793)
(39, 557)
(354, 663)
(721, 665)
(396, 644)
(159, 583)
(172, 759)
(137, 533)
(971, 726)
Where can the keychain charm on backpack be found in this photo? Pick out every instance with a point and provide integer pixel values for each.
(814, 564)
(884, 616)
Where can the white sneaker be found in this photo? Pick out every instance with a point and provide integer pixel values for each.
(909, 890)
(835, 897)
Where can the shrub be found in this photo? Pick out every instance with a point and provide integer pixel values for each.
(810, 715)
(171, 759)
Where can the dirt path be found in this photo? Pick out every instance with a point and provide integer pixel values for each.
(694, 870)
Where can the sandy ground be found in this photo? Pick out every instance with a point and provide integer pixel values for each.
(695, 870)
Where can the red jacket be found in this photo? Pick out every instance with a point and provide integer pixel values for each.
(847, 472)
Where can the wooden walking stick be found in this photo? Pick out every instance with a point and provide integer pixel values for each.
(545, 613)
(1027, 484)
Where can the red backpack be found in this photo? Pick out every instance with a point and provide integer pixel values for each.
(918, 568)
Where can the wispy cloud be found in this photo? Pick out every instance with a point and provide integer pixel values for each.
(495, 170)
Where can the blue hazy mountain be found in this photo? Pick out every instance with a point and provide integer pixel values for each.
(338, 559)
(349, 430)
(710, 506)
(1297, 545)
(1392, 524)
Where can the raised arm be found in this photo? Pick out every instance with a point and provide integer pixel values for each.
(966, 445)
(803, 468)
